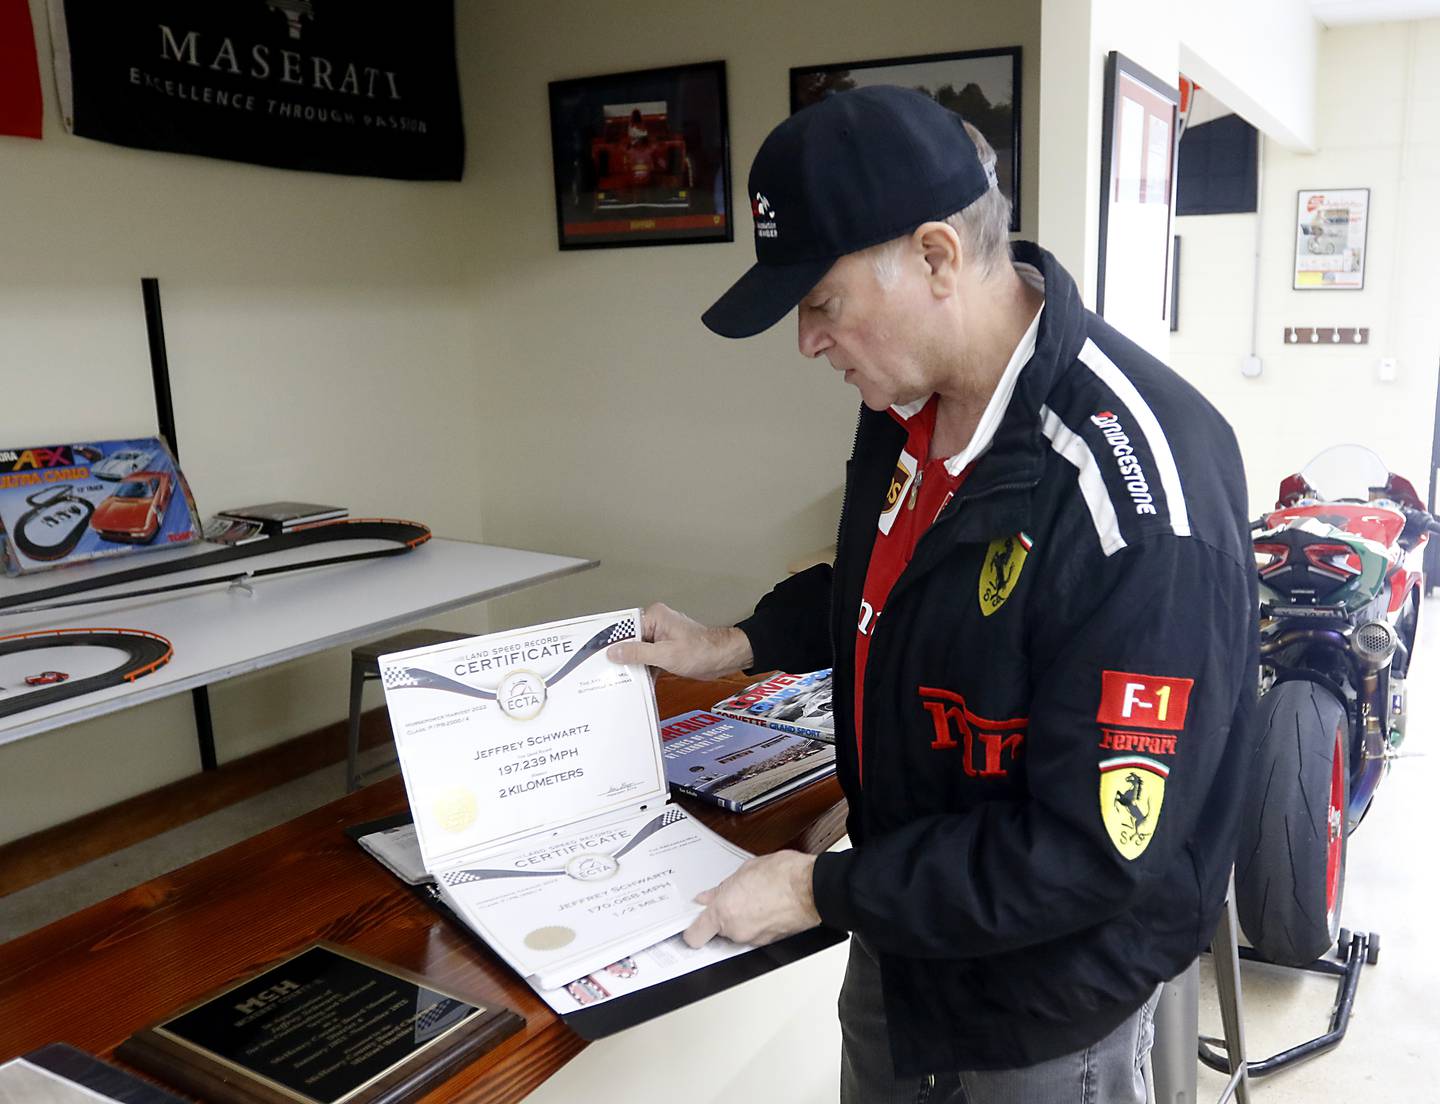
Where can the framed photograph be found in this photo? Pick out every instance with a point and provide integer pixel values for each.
(1330, 233)
(642, 158)
(1137, 197)
(983, 86)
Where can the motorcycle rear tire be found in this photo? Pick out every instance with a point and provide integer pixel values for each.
(1290, 866)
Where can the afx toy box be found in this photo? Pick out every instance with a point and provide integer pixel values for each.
(68, 503)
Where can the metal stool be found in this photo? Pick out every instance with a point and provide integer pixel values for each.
(365, 665)
(1177, 1021)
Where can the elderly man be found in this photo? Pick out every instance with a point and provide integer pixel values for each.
(1040, 618)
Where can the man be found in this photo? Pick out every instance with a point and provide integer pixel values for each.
(1040, 616)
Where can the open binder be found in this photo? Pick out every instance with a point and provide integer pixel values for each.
(533, 768)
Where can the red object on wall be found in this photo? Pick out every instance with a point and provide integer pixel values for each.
(21, 106)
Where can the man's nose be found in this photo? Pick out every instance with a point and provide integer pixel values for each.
(814, 339)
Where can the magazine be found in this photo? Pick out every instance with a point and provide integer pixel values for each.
(398, 851)
(790, 703)
(281, 517)
(739, 765)
(533, 768)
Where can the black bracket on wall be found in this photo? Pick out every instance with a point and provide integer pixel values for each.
(165, 417)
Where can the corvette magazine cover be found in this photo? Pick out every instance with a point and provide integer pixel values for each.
(736, 764)
(64, 504)
(790, 703)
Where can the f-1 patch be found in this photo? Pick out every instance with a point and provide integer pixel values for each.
(1143, 701)
(1001, 571)
(1132, 790)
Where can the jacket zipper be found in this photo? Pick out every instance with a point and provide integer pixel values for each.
(894, 593)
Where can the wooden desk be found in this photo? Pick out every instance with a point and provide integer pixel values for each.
(94, 978)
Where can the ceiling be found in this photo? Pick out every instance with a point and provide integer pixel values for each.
(1339, 13)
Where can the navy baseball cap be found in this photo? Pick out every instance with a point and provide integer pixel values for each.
(854, 170)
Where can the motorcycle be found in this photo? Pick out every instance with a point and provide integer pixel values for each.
(1340, 592)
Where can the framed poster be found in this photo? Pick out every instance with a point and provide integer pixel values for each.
(1330, 234)
(1137, 189)
(642, 158)
(983, 86)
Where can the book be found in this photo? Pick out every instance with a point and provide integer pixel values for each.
(739, 765)
(789, 703)
(398, 851)
(281, 517)
(223, 530)
(533, 768)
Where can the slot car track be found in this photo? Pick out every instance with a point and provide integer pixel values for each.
(403, 535)
(145, 652)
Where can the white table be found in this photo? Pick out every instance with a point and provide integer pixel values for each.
(221, 631)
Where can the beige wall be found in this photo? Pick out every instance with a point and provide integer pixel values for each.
(425, 350)
(319, 339)
(615, 425)
(1376, 113)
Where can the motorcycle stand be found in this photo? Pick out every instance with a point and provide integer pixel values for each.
(1355, 950)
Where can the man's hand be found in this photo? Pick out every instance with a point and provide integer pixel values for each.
(683, 646)
(767, 899)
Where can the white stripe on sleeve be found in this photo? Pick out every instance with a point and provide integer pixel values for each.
(1094, 358)
(1092, 484)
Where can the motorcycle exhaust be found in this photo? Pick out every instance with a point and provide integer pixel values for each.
(1373, 643)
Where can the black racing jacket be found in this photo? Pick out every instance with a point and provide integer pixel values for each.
(1056, 703)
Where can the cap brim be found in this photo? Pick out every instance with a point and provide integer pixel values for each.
(763, 296)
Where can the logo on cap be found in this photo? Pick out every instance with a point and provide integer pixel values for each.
(764, 217)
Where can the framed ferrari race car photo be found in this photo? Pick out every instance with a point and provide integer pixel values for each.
(642, 158)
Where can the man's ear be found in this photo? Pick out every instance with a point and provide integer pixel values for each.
(940, 246)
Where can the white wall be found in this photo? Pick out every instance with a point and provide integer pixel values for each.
(1259, 58)
(345, 339)
(1376, 115)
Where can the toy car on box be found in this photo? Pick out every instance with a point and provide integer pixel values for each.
(70, 503)
(136, 509)
(119, 464)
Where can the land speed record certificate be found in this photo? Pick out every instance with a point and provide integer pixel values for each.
(573, 901)
(519, 732)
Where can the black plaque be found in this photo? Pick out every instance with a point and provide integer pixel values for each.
(326, 1026)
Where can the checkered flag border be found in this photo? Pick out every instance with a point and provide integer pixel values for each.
(621, 630)
(398, 676)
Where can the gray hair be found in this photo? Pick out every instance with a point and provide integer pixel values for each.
(983, 227)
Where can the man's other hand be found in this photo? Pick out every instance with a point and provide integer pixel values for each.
(683, 646)
(767, 899)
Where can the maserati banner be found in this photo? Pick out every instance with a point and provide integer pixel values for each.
(342, 86)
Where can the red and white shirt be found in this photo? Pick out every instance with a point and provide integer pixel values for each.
(919, 490)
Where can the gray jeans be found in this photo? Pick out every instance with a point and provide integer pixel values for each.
(1108, 1072)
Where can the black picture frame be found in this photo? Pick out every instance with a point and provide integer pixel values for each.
(978, 74)
(1159, 105)
(642, 158)
(1175, 285)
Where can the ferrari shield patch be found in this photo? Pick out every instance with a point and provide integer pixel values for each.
(1132, 790)
(1001, 570)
